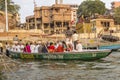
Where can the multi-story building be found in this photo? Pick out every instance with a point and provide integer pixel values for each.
(115, 4)
(30, 22)
(74, 9)
(60, 17)
(55, 18)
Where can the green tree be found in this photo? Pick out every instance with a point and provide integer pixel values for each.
(90, 7)
(116, 15)
(12, 8)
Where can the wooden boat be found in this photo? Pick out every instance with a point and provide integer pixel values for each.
(110, 38)
(84, 55)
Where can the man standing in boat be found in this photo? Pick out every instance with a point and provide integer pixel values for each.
(74, 39)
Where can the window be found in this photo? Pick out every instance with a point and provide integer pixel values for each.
(57, 10)
(105, 24)
(45, 13)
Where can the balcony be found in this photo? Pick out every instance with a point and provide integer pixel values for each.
(60, 17)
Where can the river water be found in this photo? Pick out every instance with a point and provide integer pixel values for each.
(104, 69)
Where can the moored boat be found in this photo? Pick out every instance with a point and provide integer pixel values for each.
(83, 55)
(113, 47)
(110, 38)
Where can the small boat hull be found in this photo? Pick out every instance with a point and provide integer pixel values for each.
(112, 47)
(84, 55)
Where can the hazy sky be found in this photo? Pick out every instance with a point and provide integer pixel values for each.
(27, 6)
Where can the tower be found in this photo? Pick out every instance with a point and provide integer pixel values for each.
(58, 1)
(61, 1)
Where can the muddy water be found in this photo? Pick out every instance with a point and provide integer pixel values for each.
(105, 69)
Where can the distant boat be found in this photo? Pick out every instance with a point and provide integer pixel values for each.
(84, 55)
(110, 38)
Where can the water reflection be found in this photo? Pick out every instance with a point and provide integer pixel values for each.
(105, 69)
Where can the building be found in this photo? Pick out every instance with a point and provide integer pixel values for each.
(115, 4)
(13, 19)
(53, 19)
(60, 17)
(74, 9)
(101, 24)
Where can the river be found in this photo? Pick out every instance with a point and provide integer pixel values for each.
(104, 69)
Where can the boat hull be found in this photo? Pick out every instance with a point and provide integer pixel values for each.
(85, 55)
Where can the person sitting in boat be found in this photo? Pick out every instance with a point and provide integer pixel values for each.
(39, 46)
(60, 47)
(64, 46)
(15, 47)
(69, 44)
(27, 48)
(56, 44)
(32, 47)
(20, 46)
(44, 48)
(51, 48)
(36, 47)
(7, 47)
(79, 46)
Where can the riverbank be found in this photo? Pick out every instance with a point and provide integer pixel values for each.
(87, 40)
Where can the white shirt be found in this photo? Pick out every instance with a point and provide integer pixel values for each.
(21, 47)
(36, 48)
(15, 48)
(75, 37)
(7, 47)
(79, 47)
(32, 47)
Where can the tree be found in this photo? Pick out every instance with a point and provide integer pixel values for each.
(90, 7)
(12, 8)
(116, 15)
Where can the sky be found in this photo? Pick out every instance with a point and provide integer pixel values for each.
(27, 6)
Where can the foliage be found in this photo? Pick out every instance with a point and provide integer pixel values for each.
(12, 8)
(90, 7)
(117, 15)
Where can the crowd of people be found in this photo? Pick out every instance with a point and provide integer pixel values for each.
(71, 43)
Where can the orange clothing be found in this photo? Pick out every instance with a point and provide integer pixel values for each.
(60, 48)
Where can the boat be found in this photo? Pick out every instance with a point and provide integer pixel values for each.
(83, 55)
(114, 47)
(110, 38)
